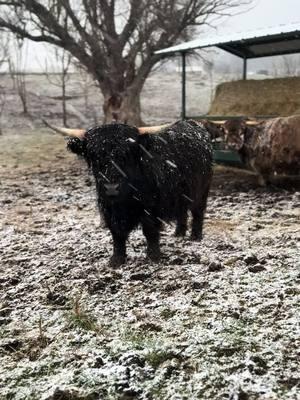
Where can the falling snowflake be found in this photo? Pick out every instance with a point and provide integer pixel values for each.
(146, 151)
(162, 139)
(104, 177)
(133, 187)
(119, 169)
(188, 198)
(171, 164)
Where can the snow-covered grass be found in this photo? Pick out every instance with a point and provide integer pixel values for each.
(214, 320)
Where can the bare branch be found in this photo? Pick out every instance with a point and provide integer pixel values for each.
(114, 40)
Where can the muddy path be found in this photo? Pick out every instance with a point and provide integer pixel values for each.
(215, 320)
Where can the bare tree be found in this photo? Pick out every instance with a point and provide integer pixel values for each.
(63, 59)
(275, 68)
(86, 82)
(290, 65)
(17, 70)
(114, 40)
(287, 65)
(2, 105)
(209, 69)
(4, 56)
(4, 48)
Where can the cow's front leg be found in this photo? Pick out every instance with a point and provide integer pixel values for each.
(181, 226)
(119, 252)
(151, 232)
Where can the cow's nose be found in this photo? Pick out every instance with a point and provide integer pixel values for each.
(111, 189)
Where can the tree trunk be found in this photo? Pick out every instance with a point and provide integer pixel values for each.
(64, 99)
(123, 107)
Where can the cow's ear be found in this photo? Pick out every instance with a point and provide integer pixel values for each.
(240, 142)
(77, 146)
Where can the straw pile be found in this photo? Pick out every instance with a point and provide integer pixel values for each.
(272, 97)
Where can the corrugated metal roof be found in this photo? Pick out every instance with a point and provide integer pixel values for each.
(282, 39)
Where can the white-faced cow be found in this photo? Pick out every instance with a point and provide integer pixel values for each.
(269, 148)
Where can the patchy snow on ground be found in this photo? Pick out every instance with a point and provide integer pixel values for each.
(214, 320)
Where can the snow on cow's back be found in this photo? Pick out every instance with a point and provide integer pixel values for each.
(187, 142)
(110, 135)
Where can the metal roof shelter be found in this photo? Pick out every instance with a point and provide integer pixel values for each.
(266, 42)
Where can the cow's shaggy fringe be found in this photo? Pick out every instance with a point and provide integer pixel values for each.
(148, 179)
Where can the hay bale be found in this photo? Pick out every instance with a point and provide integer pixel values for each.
(278, 97)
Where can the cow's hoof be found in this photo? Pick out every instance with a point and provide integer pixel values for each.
(116, 261)
(196, 237)
(180, 232)
(154, 256)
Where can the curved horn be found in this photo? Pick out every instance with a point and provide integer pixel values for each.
(217, 122)
(143, 130)
(253, 123)
(79, 133)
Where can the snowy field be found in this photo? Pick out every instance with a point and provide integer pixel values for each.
(215, 320)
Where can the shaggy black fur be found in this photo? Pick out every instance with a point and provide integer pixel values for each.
(148, 179)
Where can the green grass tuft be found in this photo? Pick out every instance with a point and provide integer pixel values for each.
(82, 319)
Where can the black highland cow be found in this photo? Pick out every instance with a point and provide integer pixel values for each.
(148, 179)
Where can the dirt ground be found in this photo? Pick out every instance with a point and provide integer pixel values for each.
(214, 320)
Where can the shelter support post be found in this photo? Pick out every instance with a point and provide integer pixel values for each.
(183, 85)
(245, 69)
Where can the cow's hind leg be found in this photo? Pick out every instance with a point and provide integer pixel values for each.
(197, 224)
(151, 231)
(198, 211)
